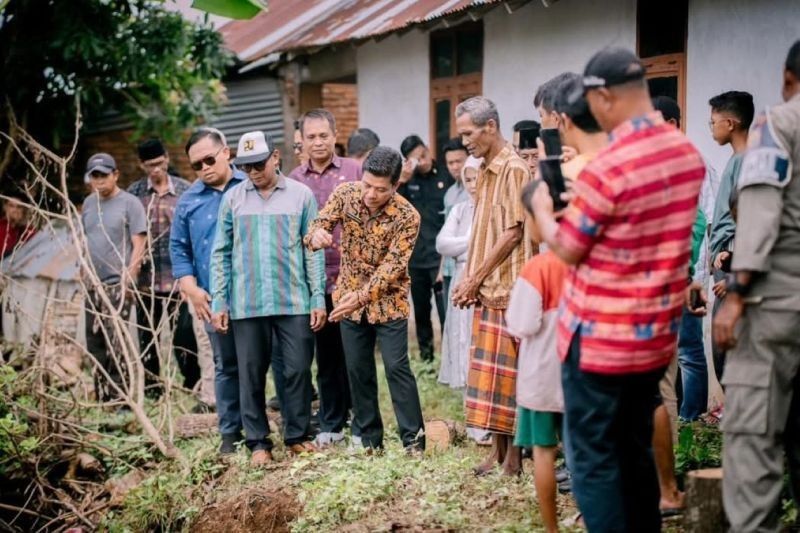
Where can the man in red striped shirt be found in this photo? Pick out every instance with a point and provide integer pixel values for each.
(627, 234)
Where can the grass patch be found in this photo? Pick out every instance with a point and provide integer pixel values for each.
(699, 446)
(340, 488)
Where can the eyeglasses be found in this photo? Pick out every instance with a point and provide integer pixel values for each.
(712, 123)
(208, 161)
(258, 167)
(297, 147)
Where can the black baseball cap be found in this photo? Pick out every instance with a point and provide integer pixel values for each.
(612, 66)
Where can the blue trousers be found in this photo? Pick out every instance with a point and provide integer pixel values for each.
(226, 382)
(694, 370)
(608, 428)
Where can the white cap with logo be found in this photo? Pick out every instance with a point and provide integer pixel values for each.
(254, 147)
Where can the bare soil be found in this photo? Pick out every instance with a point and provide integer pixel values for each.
(267, 510)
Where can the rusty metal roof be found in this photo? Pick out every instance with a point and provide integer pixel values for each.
(321, 23)
(50, 254)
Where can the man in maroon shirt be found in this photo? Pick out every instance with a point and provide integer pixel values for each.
(322, 173)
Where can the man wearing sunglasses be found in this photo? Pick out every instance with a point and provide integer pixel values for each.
(265, 285)
(322, 173)
(191, 236)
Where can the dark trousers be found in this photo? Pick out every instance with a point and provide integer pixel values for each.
(226, 382)
(608, 429)
(717, 354)
(334, 388)
(423, 284)
(149, 312)
(359, 340)
(103, 343)
(253, 338)
(277, 370)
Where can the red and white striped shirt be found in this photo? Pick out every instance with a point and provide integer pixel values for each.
(631, 221)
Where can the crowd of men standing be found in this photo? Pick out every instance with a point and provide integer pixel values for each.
(565, 315)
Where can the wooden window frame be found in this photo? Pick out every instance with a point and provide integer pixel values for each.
(666, 66)
(456, 88)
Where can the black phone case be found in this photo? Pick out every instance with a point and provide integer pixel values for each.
(550, 171)
(552, 142)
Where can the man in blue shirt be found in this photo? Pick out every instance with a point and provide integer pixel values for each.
(191, 238)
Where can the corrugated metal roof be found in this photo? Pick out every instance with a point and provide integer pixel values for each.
(252, 104)
(50, 254)
(286, 28)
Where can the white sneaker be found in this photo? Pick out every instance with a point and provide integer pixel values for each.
(355, 444)
(326, 439)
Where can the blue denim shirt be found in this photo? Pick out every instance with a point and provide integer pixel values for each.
(194, 228)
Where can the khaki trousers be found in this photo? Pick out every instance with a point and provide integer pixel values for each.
(762, 418)
(205, 360)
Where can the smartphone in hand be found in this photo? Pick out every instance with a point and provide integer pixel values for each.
(695, 301)
(552, 142)
(550, 171)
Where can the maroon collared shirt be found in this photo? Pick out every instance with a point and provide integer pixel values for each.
(340, 170)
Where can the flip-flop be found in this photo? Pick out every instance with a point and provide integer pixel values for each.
(669, 512)
(574, 521)
(481, 472)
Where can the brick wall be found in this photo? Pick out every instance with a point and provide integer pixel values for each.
(341, 99)
(123, 150)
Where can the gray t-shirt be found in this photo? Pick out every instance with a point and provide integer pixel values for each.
(108, 225)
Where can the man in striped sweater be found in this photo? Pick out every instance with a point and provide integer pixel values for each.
(268, 286)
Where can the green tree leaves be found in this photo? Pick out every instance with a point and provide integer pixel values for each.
(161, 71)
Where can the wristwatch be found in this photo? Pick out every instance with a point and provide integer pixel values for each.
(733, 286)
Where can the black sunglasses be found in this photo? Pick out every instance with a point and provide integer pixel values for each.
(208, 161)
(258, 167)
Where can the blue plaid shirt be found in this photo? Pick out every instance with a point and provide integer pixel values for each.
(194, 227)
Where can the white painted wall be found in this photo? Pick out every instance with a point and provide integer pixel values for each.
(732, 44)
(394, 87)
(735, 45)
(524, 49)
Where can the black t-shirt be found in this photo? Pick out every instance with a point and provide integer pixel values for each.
(426, 193)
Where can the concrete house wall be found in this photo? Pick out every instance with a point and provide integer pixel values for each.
(535, 43)
(731, 44)
(735, 45)
(394, 86)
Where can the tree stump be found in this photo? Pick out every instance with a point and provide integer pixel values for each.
(439, 434)
(704, 511)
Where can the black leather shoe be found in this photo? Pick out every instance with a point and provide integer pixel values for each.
(274, 404)
(228, 445)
